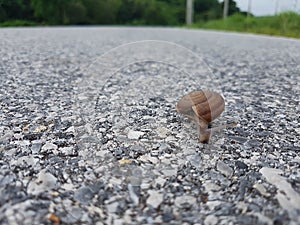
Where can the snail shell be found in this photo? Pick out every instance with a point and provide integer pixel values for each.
(202, 106)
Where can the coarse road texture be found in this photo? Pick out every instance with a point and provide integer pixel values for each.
(89, 133)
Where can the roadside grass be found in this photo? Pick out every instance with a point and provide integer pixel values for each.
(286, 24)
(18, 23)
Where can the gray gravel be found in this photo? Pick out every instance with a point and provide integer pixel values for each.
(89, 133)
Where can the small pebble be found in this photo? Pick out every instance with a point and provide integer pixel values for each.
(155, 198)
(182, 200)
(135, 135)
(44, 182)
(224, 169)
(211, 220)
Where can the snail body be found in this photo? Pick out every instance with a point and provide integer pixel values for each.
(203, 107)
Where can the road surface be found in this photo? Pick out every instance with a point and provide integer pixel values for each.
(89, 133)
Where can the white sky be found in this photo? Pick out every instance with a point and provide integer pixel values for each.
(267, 7)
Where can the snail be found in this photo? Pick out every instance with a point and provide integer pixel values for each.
(203, 107)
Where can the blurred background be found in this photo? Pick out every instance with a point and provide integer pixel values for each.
(275, 17)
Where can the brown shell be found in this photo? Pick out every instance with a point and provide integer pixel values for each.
(207, 105)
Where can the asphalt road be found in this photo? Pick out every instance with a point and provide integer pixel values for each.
(89, 133)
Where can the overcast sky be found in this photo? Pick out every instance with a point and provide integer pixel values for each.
(267, 7)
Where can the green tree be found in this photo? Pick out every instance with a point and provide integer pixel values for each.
(232, 7)
(102, 11)
(144, 12)
(130, 11)
(207, 9)
(178, 9)
(53, 11)
(159, 13)
(150, 12)
(76, 13)
(15, 9)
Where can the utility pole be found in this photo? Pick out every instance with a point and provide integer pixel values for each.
(249, 7)
(189, 11)
(225, 9)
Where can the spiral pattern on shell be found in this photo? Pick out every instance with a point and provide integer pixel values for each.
(206, 105)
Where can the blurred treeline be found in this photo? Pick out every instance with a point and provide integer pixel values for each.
(81, 12)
